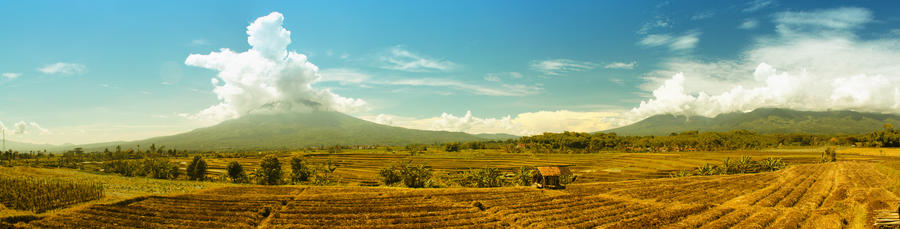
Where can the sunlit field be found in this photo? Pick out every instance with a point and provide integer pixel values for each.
(617, 190)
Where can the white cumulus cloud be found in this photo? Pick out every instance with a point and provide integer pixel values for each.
(266, 78)
(62, 68)
(814, 62)
(522, 124)
(20, 127)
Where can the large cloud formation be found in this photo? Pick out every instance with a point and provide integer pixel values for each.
(814, 61)
(266, 78)
(528, 123)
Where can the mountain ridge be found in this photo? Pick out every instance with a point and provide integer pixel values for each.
(765, 121)
(292, 131)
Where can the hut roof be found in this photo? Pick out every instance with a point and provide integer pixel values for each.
(553, 170)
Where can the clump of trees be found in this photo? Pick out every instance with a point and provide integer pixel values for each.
(886, 137)
(481, 178)
(413, 176)
(744, 165)
(151, 167)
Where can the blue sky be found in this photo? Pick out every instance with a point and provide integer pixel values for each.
(96, 71)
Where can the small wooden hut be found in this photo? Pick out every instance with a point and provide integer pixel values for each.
(552, 176)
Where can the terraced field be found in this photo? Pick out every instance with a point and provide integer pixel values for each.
(831, 195)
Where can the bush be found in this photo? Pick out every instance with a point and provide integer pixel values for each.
(481, 178)
(418, 176)
(236, 172)
(197, 169)
(829, 155)
(159, 169)
(299, 171)
(772, 164)
(525, 176)
(390, 176)
(122, 167)
(270, 171)
(452, 147)
(511, 148)
(323, 174)
(744, 165)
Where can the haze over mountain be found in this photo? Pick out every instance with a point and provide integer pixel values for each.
(293, 130)
(764, 120)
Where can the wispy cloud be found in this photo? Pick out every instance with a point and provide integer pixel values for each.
(702, 15)
(658, 22)
(351, 76)
(756, 5)
(342, 75)
(398, 58)
(749, 24)
(62, 68)
(492, 78)
(11, 75)
(557, 67)
(621, 65)
(685, 41)
(501, 90)
(830, 19)
(199, 42)
(497, 77)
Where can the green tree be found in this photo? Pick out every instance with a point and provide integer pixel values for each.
(270, 171)
(236, 172)
(197, 169)
(299, 171)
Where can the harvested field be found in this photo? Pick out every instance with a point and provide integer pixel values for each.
(830, 195)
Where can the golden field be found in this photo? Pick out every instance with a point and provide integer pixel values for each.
(620, 191)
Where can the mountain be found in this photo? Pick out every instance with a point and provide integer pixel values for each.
(499, 137)
(293, 131)
(764, 120)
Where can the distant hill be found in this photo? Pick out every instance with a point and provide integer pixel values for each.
(293, 131)
(25, 147)
(765, 120)
(497, 136)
